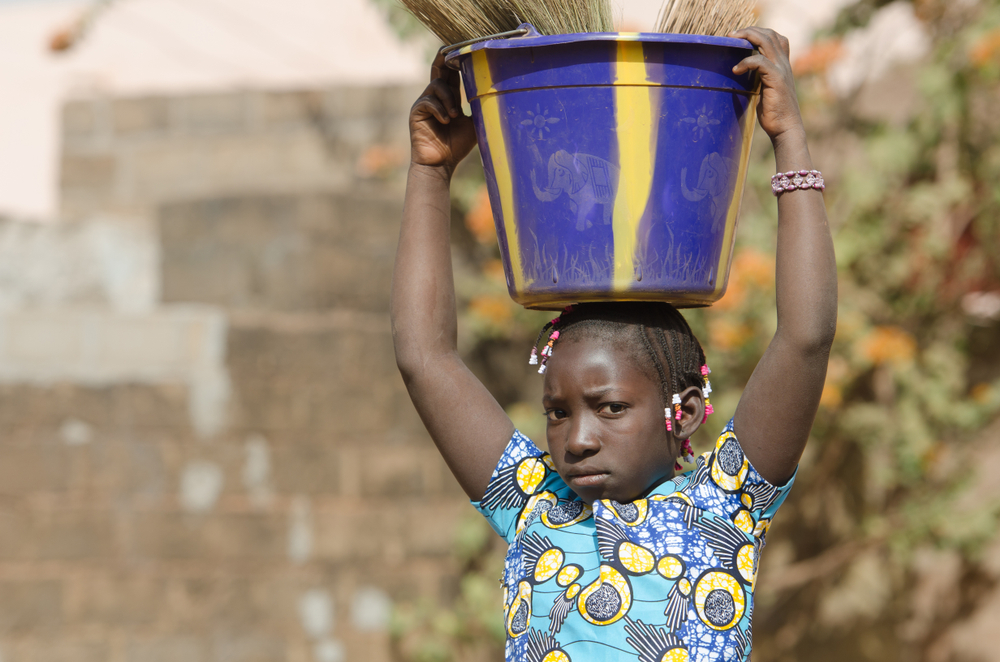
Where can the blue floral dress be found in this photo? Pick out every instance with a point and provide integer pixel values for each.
(666, 578)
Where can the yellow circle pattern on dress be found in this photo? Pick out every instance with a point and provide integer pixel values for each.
(635, 558)
(519, 615)
(744, 521)
(573, 591)
(556, 656)
(747, 500)
(547, 459)
(548, 564)
(530, 474)
(675, 655)
(745, 562)
(719, 599)
(569, 574)
(761, 529)
(684, 586)
(726, 449)
(670, 567)
(607, 599)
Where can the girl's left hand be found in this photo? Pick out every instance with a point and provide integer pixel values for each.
(778, 111)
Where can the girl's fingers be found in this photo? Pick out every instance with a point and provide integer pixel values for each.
(769, 42)
(431, 106)
(756, 62)
(450, 76)
(448, 95)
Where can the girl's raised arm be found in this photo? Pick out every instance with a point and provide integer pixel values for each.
(779, 403)
(470, 429)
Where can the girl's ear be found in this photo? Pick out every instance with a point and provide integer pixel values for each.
(692, 412)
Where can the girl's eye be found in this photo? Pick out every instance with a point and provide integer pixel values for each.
(555, 414)
(614, 408)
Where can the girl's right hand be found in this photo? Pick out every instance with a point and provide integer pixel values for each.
(440, 134)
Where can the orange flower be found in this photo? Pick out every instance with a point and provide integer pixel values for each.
(750, 268)
(986, 49)
(479, 220)
(379, 160)
(982, 393)
(889, 344)
(819, 57)
(832, 396)
(495, 308)
(833, 391)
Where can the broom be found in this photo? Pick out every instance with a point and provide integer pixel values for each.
(455, 21)
(710, 17)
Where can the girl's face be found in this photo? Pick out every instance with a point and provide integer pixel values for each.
(606, 428)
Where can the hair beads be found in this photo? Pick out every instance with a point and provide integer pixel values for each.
(547, 349)
(706, 389)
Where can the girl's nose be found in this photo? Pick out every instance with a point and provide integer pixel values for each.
(583, 439)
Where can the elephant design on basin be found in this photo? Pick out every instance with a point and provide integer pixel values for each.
(713, 182)
(586, 180)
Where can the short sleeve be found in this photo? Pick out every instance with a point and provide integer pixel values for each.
(726, 483)
(523, 473)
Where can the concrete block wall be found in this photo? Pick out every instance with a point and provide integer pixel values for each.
(128, 155)
(221, 465)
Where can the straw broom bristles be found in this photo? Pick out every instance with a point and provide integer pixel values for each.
(710, 17)
(455, 21)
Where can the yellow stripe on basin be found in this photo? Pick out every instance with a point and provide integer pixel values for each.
(489, 102)
(636, 133)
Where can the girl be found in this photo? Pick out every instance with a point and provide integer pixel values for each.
(611, 556)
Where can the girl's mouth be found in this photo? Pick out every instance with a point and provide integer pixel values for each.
(588, 480)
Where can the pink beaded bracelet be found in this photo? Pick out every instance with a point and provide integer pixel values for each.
(797, 179)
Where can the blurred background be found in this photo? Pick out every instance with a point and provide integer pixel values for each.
(206, 453)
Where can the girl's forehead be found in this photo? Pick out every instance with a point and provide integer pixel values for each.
(594, 356)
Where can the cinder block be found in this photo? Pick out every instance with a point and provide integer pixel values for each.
(248, 647)
(38, 468)
(310, 466)
(310, 252)
(298, 108)
(43, 339)
(30, 607)
(177, 648)
(90, 171)
(214, 536)
(187, 167)
(428, 526)
(142, 115)
(67, 651)
(110, 596)
(214, 113)
(72, 535)
(81, 121)
(393, 471)
(160, 343)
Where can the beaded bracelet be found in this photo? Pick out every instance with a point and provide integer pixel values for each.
(797, 179)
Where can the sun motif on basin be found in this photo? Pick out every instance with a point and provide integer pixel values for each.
(538, 121)
(702, 123)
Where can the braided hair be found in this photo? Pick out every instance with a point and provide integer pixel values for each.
(652, 332)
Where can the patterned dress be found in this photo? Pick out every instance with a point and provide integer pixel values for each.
(666, 578)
